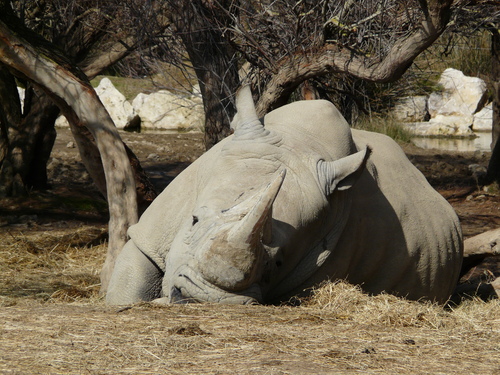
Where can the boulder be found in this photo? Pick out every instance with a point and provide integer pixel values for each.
(452, 109)
(442, 126)
(163, 110)
(196, 94)
(61, 122)
(451, 125)
(461, 95)
(483, 120)
(411, 108)
(121, 111)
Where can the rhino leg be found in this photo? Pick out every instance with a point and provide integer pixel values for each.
(135, 278)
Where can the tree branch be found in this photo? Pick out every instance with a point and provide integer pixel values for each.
(299, 67)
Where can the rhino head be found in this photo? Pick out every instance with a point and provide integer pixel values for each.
(228, 245)
(220, 254)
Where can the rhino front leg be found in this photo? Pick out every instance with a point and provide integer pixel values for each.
(135, 278)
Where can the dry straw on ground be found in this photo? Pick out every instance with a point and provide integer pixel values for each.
(53, 322)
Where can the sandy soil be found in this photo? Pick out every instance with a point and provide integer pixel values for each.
(53, 321)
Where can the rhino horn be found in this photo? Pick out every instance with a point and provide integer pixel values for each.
(256, 226)
(246, 122)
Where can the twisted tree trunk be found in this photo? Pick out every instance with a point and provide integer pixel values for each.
(38, 62)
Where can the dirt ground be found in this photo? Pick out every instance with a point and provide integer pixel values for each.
(53, 321)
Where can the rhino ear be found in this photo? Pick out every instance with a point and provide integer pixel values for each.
(343, 173)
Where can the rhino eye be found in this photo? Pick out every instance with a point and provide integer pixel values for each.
(195, 220)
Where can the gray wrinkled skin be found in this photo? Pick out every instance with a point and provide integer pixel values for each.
(274, 210)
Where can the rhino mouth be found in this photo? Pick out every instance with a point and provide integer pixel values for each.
(189, 287)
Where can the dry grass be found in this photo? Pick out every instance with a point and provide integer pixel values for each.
(53, 322)
(61, 264)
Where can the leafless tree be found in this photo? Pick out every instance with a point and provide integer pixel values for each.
(94, 40)
(93, 36)
(288, 43)
(284, 45)
(40, 63)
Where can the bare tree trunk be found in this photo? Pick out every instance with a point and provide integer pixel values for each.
(79, 103)
(38, 138)
(493, 173)
(214, 63)
(91, 158)
(29, 137)
(10, 116)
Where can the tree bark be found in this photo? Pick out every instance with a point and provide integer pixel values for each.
(97, 62)
(76, 98)
(29, 136)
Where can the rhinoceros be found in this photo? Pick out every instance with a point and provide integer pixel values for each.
(284, 204)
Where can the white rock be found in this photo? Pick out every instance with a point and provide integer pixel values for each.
(461, 95)
(451, 125)
(483, 120)
(166, 111)
(22, 94)
(120, 110)
(196, 90)
(61, 122)
(419, 128)
(153, 156)
(452, 109)
(412, 108)
(458, 126)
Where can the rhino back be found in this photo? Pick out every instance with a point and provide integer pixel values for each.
(313, 127)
